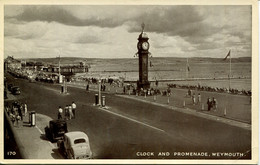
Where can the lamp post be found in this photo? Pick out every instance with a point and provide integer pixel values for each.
(99, 91)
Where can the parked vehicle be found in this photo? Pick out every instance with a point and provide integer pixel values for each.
(75, 145)
(56, 130)
(15, 90)
(9, 86)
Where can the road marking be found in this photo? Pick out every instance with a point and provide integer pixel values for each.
(39, 129)
(136, 121)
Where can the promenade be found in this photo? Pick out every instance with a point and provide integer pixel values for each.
(30, 141)
(233, 107)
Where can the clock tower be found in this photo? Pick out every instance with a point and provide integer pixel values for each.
(143, 47)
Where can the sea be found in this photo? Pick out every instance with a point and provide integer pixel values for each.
(212, 72)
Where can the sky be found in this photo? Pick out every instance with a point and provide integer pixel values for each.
(111, 31)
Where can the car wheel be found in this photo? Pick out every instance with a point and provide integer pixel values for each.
(53, 138)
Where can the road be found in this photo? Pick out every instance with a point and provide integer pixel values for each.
(131, 129)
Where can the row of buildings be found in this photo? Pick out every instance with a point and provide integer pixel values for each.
(64, 69)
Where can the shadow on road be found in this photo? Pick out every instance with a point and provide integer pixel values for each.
(56, 154)
(43, 137)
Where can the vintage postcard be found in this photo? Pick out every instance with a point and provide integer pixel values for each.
(133, 82)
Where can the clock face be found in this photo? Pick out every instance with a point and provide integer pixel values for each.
(145, 45)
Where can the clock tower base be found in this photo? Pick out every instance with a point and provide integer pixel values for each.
(144, 85)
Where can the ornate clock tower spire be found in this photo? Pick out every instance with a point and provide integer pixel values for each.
(143, 25)
(143, 47)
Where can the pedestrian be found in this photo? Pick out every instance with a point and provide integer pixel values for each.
(194, 98)
(20, 111)
(12, 117)
(87, 87)
(199, 99)
(14, 110)
(16, 114)
(209, 104)
(214, 103)
(70, 112)
(124, 90)
(189, 93)
(168, 91)
(17, 120)
(8, 110)
(66, 111)
(73, 105)
(104, 87)
(25, 109)
(60, 112)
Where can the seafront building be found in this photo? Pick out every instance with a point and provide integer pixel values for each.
(64, 69)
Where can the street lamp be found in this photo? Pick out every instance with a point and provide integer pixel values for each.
(99, 91)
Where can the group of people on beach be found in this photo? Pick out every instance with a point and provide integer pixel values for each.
(16, 112)
(69, 112)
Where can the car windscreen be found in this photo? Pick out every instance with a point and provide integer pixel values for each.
(79, 141)
(60, 126)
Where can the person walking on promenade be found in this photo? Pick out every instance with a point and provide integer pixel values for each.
(194, 99)
(66, 111)
(20, 111)
(104, 87)
(25, 109)
(73, 105)
(209, 104)
(189, 93)
(87, 87)
(168, 91)
(199, 99)
(18, 118)
(124, 90)
(60, 113)
(70, 112)
(214, 103)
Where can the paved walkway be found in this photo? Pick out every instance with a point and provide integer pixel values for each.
(234, 115)
(195, 113)
(31, 140)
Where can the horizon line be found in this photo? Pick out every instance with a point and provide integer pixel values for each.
(126, 57)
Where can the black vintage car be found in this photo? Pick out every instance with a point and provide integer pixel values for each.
(56, 130)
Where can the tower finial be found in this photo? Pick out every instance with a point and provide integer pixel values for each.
(143, 25)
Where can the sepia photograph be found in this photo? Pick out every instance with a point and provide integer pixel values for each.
(129, 82)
